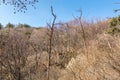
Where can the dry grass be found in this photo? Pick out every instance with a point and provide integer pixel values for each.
(70, 59)
(100, 63)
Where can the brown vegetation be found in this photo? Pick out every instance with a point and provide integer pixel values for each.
(32, 54)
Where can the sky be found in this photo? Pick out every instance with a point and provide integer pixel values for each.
(64, 9)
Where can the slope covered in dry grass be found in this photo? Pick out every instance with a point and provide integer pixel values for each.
(93, 55)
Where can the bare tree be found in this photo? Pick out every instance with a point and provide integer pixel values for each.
(82, 27)
(50, 42)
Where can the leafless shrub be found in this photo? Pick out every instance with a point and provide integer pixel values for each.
(14, 56)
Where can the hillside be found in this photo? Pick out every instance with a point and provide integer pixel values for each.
(70, 54)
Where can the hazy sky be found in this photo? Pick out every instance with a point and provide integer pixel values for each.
(64, 9)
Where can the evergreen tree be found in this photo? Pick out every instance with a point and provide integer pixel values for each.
(9, 25)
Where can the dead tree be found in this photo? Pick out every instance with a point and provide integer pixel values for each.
(50, 42)
(82, 27)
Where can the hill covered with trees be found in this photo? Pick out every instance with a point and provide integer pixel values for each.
(65, 51)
